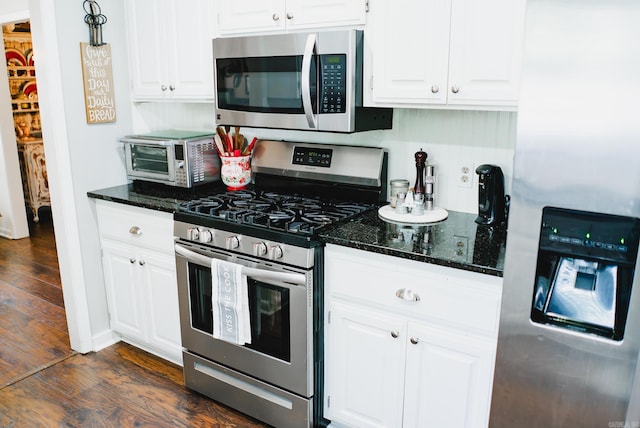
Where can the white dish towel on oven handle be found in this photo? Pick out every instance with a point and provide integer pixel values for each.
(230, 303)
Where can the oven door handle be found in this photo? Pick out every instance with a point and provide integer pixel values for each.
(290, 277)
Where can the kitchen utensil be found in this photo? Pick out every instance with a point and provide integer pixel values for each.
(219, 145)
(250, 146)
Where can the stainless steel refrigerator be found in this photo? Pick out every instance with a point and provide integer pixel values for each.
(570, 322)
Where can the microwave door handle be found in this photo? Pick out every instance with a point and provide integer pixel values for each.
(290, 277)
(305, 81)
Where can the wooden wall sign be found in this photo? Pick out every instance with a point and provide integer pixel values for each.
(98, 83)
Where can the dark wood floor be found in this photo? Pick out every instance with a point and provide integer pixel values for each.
(44, 383)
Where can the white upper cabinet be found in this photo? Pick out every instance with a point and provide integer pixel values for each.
(260, 16)
(444, 53)
(170, 49)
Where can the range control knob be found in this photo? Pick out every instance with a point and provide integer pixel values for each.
(193, 233)
(276, 252)
(232, 242)
(205, 236)
(259, 249)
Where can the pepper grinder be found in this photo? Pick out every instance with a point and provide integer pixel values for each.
(421, 160)
(430, 181)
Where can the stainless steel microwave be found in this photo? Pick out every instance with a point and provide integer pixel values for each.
(302, 81)
(172, 157)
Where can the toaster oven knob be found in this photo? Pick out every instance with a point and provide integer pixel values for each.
(232, 242)
(259, 249)
(205, 236)
(276, 252)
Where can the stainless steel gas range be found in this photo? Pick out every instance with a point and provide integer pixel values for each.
(271, 232)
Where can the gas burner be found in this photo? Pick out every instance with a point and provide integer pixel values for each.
(275, 211)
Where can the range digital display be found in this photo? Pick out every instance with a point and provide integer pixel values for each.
(312, 157)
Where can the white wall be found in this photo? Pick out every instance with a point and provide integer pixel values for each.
(80, 157)
(450, 138)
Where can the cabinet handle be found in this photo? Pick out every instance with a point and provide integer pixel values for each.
(135, 230)
(455, 89)
(405, 294)
(435, 89)
(414, 340)
(395, 334)
(275, 17)
(132, 261)
(141, 262)
(163, 87)
(289, 16)
(172, 88)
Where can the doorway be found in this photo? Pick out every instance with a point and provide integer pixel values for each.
(21, 74)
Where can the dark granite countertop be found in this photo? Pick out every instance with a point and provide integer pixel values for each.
(158, 197)
(457, 242)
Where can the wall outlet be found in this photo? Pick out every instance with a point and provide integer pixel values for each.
(465, 175)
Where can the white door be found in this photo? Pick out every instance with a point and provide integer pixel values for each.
(190, 31)
(250, 16)
(303, 14)
(486, 47)
(410, 51)
(449, 379)
(158, 274)
(364, 363)
(148, 54)
(124, 292)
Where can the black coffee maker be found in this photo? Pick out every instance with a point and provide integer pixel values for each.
(492, 202)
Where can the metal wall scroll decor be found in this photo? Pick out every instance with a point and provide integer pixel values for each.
(95, 19)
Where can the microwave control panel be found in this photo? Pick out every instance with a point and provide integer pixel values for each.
(334, 83)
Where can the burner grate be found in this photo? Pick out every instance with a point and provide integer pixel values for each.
(286, 213)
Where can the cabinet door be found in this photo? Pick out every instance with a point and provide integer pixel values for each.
(124, 293)
(486, 47)
(170, 52)
(148, 53)
(158, 276)
(449, 378)
(365, 367)
(190, 30)
(303, 14)
(409, 44)
(250, 16)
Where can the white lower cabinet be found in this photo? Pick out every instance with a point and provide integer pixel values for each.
(365, 367)
(418, 360)
(448, 378)
(140, 277)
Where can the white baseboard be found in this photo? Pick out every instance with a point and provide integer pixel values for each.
(105, 339)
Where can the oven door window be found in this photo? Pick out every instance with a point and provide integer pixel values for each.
(269, 307)
(151, 159)
(264, 84)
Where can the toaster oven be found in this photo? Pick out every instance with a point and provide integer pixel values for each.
(175, 158)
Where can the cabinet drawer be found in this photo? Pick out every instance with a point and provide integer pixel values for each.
(452, 298)
(136, 226)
